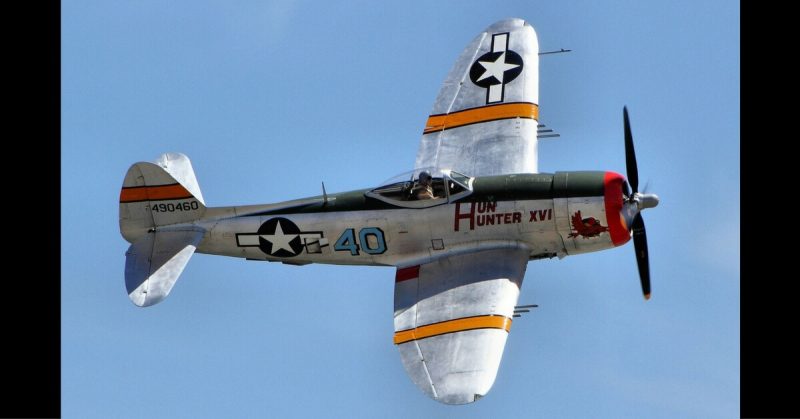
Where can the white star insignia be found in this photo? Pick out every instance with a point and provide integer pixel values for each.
(280, 240)
(497, 68)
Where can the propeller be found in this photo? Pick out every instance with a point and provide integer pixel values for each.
(635, 203)
(630, 154)
(640, 247)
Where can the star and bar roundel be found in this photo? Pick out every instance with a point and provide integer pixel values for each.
(491, 71)
(281, 237)
(496, 68)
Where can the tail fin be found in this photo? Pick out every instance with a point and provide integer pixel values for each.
(157, 194)
(157, 205)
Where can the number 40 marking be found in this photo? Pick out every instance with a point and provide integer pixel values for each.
(347, 241)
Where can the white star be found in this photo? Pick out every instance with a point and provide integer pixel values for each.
(496, 68)
(280, 240)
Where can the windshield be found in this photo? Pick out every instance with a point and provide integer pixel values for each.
(412, 175)
(422, 187)
(415, 185)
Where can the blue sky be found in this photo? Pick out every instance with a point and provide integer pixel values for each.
(268, 99)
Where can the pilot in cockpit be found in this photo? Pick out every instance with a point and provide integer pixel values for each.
(423, 189)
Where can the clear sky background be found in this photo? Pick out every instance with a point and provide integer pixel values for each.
(269, 98)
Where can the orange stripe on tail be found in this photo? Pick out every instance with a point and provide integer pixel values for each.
(153, 193)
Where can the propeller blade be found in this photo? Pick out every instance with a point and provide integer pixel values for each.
(627, 189)
(642, 260)
(646, 187)
(630, 154)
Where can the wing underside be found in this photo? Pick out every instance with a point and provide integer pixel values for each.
(484, 120)
(452, 318)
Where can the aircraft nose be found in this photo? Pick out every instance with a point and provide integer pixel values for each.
(615, 188)
(648, 200)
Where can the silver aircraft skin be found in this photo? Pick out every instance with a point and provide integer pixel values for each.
(460, 228)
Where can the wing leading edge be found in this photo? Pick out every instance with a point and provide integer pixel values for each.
(484, 120)
(452, 318)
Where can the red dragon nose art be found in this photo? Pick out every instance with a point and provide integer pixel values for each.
(586, 227)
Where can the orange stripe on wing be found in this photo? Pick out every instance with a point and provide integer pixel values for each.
(153, 193)
(483, 114)
(452, 326)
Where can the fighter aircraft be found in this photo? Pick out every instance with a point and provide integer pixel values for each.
(460, 227)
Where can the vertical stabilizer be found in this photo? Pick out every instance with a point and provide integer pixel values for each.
(158, 194)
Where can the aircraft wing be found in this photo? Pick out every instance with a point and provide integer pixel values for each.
(451, 320)
(484, 120)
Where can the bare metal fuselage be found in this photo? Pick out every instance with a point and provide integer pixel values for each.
(353, 229)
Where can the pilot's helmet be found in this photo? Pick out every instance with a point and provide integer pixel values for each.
(424, 176)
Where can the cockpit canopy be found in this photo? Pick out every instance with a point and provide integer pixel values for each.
(422, 188)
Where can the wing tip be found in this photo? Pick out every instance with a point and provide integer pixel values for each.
(459, 399)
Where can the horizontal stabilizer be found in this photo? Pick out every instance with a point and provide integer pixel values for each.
(154, 263)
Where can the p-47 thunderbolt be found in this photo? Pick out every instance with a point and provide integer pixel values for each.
(459, 228)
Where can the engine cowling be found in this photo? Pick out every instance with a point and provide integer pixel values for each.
(588, 210)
